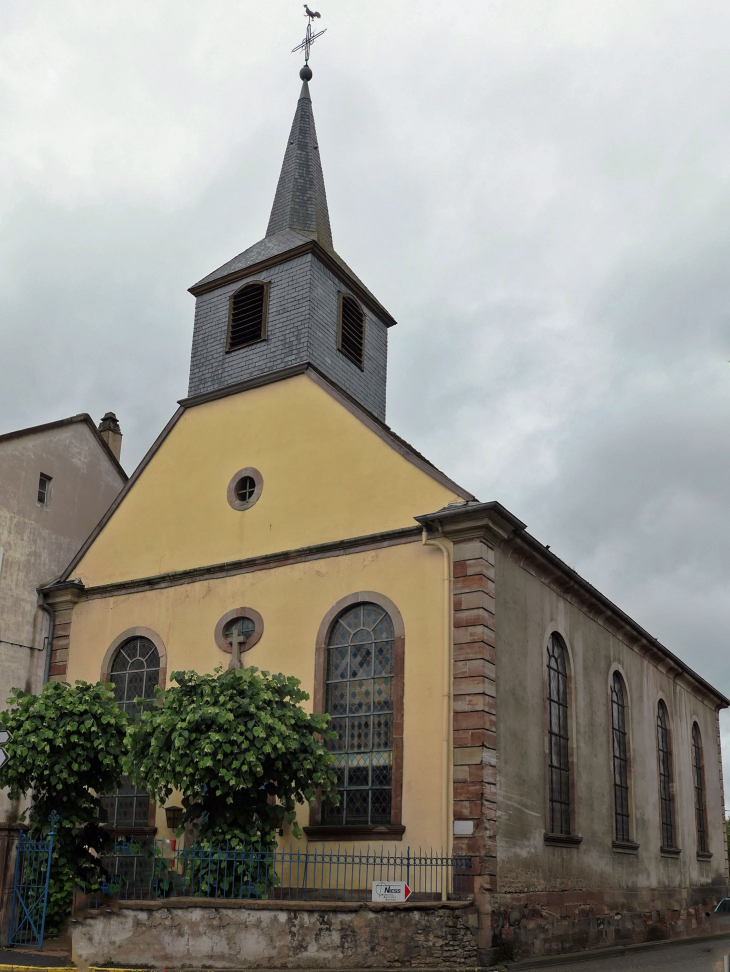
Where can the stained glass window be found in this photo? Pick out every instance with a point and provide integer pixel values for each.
(135, 673)
(665, 775)
(360, 677)
(558, 741)
(620, 759)
(699, 781)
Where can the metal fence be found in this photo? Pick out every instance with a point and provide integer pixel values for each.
(30, 887)
(159, 869)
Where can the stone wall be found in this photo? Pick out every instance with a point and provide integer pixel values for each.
(542, 924)
(188, 932)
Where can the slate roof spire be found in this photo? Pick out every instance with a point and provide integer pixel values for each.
(300, 203)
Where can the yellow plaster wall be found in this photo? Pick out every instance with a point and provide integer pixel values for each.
(326, 476)
(292, 601)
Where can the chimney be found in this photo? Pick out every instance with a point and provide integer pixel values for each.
(111, 433)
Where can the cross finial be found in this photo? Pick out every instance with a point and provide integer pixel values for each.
(309, 38)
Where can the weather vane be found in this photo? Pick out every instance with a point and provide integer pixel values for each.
(309, 38)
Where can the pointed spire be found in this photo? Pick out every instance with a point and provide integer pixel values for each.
(300, 203)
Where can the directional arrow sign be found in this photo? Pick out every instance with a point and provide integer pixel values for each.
(5, 737)
(391, 891)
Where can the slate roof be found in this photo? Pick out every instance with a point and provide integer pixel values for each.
(299, 214)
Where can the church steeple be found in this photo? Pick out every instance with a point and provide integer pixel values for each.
(290, 303)
(300, 203)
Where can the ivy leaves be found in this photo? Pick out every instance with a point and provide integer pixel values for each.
(67, 746)
(66, 741)
(240, 748)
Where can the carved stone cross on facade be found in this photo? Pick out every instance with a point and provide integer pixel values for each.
(237, 632)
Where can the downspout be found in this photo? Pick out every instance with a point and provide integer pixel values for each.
(446, 548)
(44, 606)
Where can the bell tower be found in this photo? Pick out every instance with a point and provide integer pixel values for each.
(290, 302)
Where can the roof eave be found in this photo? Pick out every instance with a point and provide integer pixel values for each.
(315, 248)
(504, 528)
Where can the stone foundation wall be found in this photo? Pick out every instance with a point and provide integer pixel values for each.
(540, 924)
(185, 932)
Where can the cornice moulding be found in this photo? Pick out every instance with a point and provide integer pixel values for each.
(323, 256)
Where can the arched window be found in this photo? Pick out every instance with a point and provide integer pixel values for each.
(664, 751)
(699, 781)
(620, 758)
(247, 313)
(558, 740)
(135, 673)
(360, 670)
(351, 330)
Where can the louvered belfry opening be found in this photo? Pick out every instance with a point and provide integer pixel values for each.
(247, 316)
(351, 330)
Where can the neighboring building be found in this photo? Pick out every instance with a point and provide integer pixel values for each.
(487, 698)
(56, 482)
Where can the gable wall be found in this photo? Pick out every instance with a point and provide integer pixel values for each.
(326, 477)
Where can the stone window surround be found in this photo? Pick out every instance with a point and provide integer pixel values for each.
(233, 501)
(705, 855)
(241, 612)
(106, 665)
(573, 839)
(395, 829)
(266, 284)
(620, 846)
(672, 852)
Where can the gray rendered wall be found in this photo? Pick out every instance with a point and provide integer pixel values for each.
(38, 542)
(302, 327)
(527, 612)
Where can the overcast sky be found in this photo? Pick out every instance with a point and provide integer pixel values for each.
(537, 190)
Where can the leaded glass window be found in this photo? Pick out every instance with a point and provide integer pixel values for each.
(699, 781)
(558, 740)
(620, 758)
(665, 775)
(359, 698)
(135, 673)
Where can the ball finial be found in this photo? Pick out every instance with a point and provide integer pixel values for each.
(306, 73)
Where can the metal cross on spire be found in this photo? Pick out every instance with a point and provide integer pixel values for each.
(309, 39)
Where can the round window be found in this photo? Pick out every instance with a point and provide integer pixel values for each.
(239, 630)
(245, 488)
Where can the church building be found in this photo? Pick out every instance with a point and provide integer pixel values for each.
(487, 699)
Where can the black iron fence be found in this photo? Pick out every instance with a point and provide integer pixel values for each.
(313, 872)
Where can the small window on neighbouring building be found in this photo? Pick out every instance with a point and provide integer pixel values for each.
(44, 489)
(247, 316)
(351, 330)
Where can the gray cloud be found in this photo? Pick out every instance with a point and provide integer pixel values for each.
(539, 193)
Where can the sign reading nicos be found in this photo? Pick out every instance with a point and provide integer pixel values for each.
(391, 891)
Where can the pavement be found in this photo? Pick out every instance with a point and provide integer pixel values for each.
(706, 956)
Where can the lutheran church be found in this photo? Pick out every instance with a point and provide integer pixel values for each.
(487, 699)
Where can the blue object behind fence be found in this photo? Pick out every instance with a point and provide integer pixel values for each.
(153, 869)
(30, 888)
